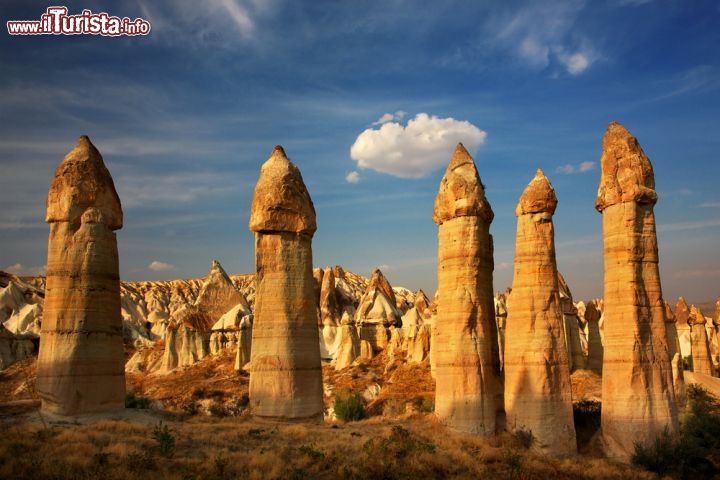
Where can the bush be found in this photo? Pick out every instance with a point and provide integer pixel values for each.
(523, 438)
(136, 401)
(428, 404)
(659, 456)
(349, 406)
(165, 440)
(695, 452)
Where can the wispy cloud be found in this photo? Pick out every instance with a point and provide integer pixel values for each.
(570, 169)
(390, 117)
(20, 269)
(218, 22)
(682, 226)
(159, 266)
(540, 34)
(423, 145)
(697, 273)
(709, 205)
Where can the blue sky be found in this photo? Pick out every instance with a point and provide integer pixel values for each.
(185, 116)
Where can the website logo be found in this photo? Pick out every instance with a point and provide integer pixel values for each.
(56, 21)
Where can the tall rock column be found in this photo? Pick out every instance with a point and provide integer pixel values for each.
(81, 359)
(469, 392)
(676, 361)
(537, 374)
(637, 387)
(700, 344)
(285, 375)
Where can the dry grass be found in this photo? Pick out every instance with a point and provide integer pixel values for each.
(399, 440)
(417, 447)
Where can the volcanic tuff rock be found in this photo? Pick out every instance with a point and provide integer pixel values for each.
(594, 321)
(682, 315)
(637, 388)
(676, 360)
(81, 359)
(574, 332)
(285, 375)
(700, 347)
(189, 331)
(377, 311)
(537, 374)
(465, 352)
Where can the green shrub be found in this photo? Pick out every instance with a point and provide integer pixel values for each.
(660, 456)
(165, 440)
(523, 438)
(428, 404)
(136, 401)
(695, 452)
(349, 406)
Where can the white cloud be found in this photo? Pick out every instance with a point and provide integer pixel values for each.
(389, 117)
(569, 169)
(20, 269)
(352, 177)
(425, 144)
(159, 266)
(709, 205)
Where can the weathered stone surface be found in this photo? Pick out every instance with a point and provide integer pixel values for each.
(281, 202)
(218, 294)
(700, 345)
(348, 344)
(416, 334)
(285, 375)
(469, 388)
(377, 311)
(594, 321)
(81, 359)
(574, 334)
(501, 321)
(189, 333)
(330, 315)
(638, 395)
(676, 360)
(537, 374)
(682, 316)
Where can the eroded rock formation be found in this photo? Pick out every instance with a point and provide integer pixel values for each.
(594, 321)
(377, 311)
(637, 387)
(285, 375)
(700, 345)
(574, 331)
(682, 316)
(81, 359)
(676, 360)
(465, 339)
(537, 374)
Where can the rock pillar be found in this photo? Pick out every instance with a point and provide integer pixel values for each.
(81, 359)
(537, 374)
(465, 339)
(285, 374)
(637, 387)
(700, 345)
